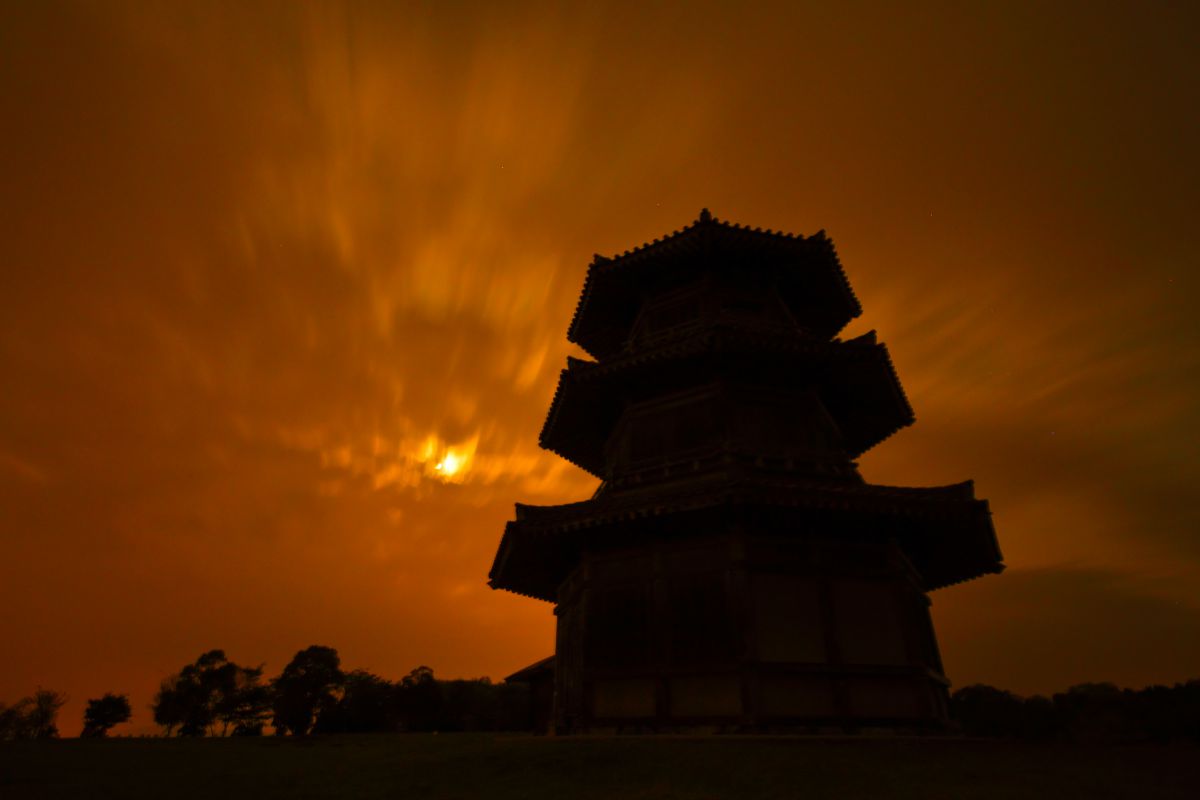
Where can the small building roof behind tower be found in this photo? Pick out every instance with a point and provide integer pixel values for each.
(535, 671)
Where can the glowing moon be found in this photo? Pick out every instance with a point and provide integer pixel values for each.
(449, 464)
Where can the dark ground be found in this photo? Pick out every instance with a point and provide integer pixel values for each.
(481, 765)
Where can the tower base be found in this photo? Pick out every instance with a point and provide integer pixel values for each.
(740, 632)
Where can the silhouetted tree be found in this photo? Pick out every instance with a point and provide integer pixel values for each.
(514, 709)
(473, 705)
(33, 717)
(1181, 717)
(13, 719)
(212, 695)
(169, 706)
(44, 714)
(419, 699)
(1095, 712)
(1165, 713)
(1038, 719)
(986, 711)
(308, 687)
(101, 715)
(368, 704)
(246, 710)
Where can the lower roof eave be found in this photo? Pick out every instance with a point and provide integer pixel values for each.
(531, 593)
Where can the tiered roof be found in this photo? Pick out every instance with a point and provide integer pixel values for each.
(945, 532)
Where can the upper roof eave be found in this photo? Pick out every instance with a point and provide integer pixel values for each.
(695, 234)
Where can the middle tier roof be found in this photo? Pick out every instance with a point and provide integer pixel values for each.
(854, 379)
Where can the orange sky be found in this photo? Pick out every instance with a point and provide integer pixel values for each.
(265, 265)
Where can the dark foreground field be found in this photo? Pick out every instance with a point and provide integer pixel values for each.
(469, 765)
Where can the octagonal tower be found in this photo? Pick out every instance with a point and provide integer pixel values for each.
(733, 571)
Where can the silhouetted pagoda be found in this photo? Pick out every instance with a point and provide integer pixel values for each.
(733, 570)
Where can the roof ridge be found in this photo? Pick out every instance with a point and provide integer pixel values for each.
(706, 218)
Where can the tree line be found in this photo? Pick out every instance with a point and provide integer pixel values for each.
(214, 696)
(1097, 712)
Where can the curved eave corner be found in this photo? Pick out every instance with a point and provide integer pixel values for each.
(548, 438)
(994, 570)
(996, 565)
(573, 332)
(840, 271)
(495, 576)
(555, 408)
(875, 440)
(906, 416)
(501, 556)
(995, 541)
(853, 309)
(897, 385)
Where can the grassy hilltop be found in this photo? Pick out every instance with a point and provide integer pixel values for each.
(499, 767)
